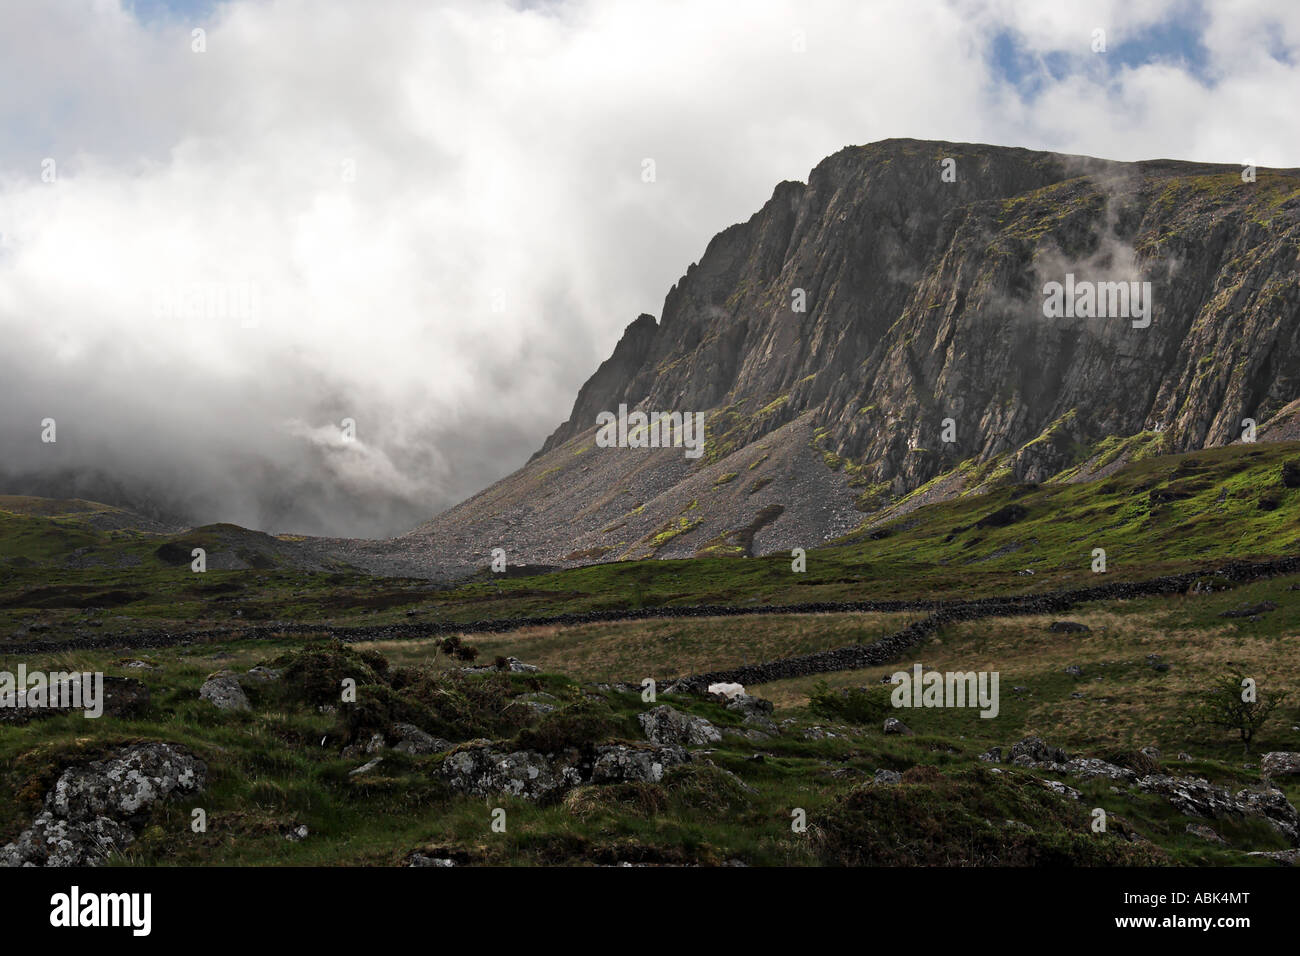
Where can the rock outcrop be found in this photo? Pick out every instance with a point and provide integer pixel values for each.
(832, 338)
(665, 725)
(96, 809)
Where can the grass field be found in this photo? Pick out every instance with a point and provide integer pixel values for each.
(280, 764)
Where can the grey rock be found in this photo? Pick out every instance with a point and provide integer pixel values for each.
(94, 809)
(894, 726)
(1059, 788)
(1282, 857)
(412, 740)
(1036, 751)
(542, 703)
(618, 763)
(887, 777)
(818, 732)
(1085, 768)
(480, 769)
(665, 725)
(1205, 833)
(224, 692)
(1199, 798)
(1279, 763)
(420, 859)
(53, 841)
(366, 767)
(127, 785)
(750, 706)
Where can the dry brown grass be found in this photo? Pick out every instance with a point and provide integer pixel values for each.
(629, 651)
(1125, 701)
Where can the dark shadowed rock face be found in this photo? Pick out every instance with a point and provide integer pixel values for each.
(923, 306)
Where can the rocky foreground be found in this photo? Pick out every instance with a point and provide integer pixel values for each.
(604, 752)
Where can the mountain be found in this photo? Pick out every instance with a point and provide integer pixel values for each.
(925, 288)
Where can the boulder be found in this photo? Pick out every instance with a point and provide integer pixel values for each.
(223, 690)
(1034, 750)
(665, 725)
(757, 712)
(1199, 798)
(815, 732)
(894, 726)
(412, 740)
(619, 763)
(53, 841)
(743, 703)
(94, 810)
(1060, 789)
(119, 697)
(1086, 768)
(480, 769)
(1280, 857)
(126, 786)
(540, 703)
(1279, 763)
(1205, 833)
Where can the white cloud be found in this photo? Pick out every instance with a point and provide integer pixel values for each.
(497, 152)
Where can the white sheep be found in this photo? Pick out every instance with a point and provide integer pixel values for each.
(727, 690)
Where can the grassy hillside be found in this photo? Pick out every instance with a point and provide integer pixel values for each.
(1152, 516)
(1126, 684)
(278, 766)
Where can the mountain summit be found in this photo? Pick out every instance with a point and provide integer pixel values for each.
(919, 320)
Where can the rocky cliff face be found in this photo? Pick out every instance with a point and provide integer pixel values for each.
(876, 337)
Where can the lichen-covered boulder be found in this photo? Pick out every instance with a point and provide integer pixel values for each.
(479, 768)
(53, 841)
(619, 763)
(1279, 763)
(224, 692)
(94, 810)
(666, 725)
(412, 740)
